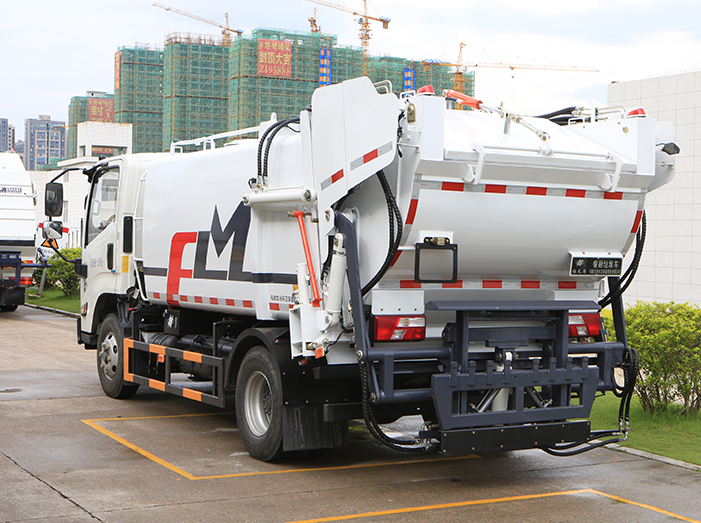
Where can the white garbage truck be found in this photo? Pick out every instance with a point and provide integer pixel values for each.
(373, 258)
(17, 231)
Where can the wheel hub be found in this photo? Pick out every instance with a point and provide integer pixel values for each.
(258, 403)
(109, 356)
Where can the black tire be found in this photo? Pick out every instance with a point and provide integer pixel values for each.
(8, 308)
(110, 360)
(259, 405)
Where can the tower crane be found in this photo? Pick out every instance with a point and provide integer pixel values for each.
(226, 30)
(312, 22)
(461, 65)
(363, 20)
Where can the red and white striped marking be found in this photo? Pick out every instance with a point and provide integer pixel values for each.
(331, 179)
(493, 284)
(276, 306)
(368, 157)
(182, 298)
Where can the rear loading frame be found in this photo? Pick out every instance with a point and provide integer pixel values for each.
(561, 372)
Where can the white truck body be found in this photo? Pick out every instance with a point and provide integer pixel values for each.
(17, 229)
(499, 213)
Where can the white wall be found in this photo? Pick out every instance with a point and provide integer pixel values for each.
(670, 269)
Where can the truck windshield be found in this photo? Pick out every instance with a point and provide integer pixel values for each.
(103, 205)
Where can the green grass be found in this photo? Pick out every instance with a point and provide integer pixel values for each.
(54, 299)
(670, 434)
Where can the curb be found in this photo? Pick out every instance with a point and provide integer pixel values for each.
(49, 309)
(655, 457)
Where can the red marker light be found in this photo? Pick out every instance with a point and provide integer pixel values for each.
(426, 89)
(639, 112)
(399, 328)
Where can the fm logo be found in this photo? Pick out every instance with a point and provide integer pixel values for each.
(237, 226)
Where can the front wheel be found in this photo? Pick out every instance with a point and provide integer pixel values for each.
(110, 359)
(259, 405)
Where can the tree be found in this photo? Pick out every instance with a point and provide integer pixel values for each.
(61, 273)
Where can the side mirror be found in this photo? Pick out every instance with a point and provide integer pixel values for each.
(53, 199)
(52, 230)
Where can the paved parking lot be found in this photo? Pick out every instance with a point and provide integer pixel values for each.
(69, 453)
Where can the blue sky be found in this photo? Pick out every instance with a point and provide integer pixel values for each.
(52, 51)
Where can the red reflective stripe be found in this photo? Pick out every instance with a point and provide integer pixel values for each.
(530, 284)
(65, 230)
(412, 211)
(157, 295)
(248, 304)
(491, 284)
(396, 257)
(337, 176)
(500, 189)
(409, 284)
(453, 186)
(567, 285)
(576, 193)
(214, 301)
(274, 306)
(456, 285)
(613, 196)
(198, 299)
(230, 303)
(370, 156)
(636, 223)
(537, 191)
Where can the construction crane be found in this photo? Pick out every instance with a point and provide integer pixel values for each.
(461, 65)
(226, 30)
(312, 22)
(363, 20)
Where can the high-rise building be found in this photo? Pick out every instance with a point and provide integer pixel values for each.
(44, 142)
(277, 71)
(7, 136)
(195, 87)
(138, 95)
(95, 106)
(670, 267)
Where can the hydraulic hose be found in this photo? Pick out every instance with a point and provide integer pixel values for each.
(628, 276)
(394, 240)
(403, 445)
(268, 135)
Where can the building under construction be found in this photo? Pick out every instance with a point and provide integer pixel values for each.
(277, 71)
(195, 91)
(201, 85)
(138, 95)
(95, 106)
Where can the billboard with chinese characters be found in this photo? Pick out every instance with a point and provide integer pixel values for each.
(101, 110)
(117, 70)
(275, 58)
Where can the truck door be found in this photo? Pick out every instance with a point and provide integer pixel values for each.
(101, 237)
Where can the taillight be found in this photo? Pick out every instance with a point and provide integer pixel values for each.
(26, 280)
(399, 328)
(585, 324)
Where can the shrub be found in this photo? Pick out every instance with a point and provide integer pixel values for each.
(61, 273)
(667, 337)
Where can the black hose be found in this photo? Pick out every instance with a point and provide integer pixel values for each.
(394, 240)
(272, 131)
(629, 275)
(560, 112)
(403, 445)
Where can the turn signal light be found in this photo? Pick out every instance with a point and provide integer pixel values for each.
(399, 328)
(585, 324)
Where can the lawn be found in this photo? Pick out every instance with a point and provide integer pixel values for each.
(669, 434)
(54, 299)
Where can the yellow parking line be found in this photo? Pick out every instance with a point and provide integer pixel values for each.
(648, 507)
(93, 423)
(487, 501)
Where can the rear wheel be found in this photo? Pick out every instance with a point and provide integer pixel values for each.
(110, 359)
(259, 405)
(8, 308)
